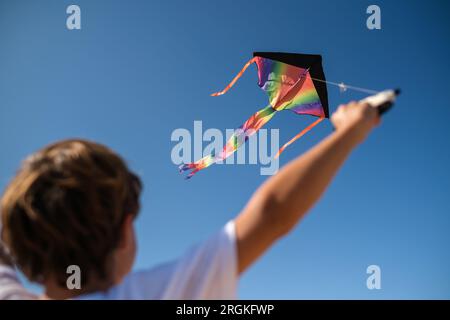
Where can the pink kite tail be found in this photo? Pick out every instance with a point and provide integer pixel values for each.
(239, 137)
(235, 78)
(303, 132)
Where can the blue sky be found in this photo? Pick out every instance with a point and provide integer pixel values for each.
(137, 70)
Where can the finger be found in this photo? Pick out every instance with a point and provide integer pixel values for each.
(342, 107)
(364, 105)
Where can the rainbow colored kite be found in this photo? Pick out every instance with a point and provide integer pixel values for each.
(293, 82)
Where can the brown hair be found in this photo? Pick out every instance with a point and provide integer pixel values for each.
(65, 207)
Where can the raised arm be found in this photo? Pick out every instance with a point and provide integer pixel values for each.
(285, 198)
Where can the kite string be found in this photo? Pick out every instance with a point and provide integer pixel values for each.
(344, 87)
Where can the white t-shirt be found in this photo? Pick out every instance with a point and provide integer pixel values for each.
(10, 286)
(207, 271)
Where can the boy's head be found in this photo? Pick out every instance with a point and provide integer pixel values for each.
(72, 203)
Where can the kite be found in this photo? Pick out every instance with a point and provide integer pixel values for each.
(291, 81)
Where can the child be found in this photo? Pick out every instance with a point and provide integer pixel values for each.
(74, 202)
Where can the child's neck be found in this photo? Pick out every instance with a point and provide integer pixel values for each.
(54, 291)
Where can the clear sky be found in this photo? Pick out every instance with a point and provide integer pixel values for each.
(138, 70)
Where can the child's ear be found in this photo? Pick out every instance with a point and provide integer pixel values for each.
(127, 232)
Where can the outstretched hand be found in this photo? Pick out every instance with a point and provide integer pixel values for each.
(359, 118)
